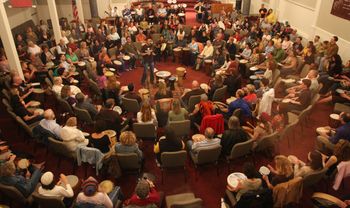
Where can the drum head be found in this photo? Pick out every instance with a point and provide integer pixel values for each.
(126, 58)
(106, 186)
(72, 180)
(116, 62)
(163, 47)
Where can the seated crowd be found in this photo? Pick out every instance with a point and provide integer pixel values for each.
(267, 74)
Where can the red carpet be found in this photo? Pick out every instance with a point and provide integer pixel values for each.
(209, 186)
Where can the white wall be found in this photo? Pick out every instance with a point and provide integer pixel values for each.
(18, 16)
(64, 9)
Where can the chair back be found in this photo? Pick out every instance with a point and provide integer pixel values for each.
(216, 122)
(130, 105)
(275, 76)
(173, 159)
(164, 105)
(48, 82)
(86, 75)
(48, 201)
(6, 94)
(267, 142)
(277, 82)
(314, 99)
(145, 130)
(305, 113)
(314, 177)
(24, 126)
(6, 104)
(129, 161)
(11, 193)
(208, 155)
(50, 73)
(60, 148)
(181, 128)
(64, 105)
(192, 101)
(219, 94)
(305, 70)
(95, 91)
(82, 115)
(241, 149)
(288, 193)
(192, 203)
(288, 129)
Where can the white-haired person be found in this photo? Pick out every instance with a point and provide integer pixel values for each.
(72, 136)
(51, 188)
(49, 123)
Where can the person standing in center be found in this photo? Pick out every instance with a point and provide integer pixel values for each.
(148, 61)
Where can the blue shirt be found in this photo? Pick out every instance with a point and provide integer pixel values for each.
(242, 104)
(342, 132)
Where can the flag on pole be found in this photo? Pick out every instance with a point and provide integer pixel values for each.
(75, 11)
(21, 3)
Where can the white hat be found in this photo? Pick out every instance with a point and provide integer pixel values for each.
(47, 178)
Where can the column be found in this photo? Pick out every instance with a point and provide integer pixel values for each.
(80, 10)
(8, 42)
(54, 19)
(93, 8)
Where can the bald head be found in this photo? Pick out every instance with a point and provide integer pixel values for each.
(49, 114)
(313, 74)
(209, 133)
(195, 84)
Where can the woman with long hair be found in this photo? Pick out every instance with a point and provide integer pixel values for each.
(168, 143)
(177, 113)
(282, 172)
(163, 92)
(233, 135)
(147, 114)
(128, 144)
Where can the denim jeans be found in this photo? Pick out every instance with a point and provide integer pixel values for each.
(148, 67)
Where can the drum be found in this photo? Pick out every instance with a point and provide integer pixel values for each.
(334, 120)
(34, 104)
(180, 72)
(39, 111)
(181, 14)
(106, 186)
(172, 80)
(163, 47)
(38, 90)
(208, 65)
(177, 54)
(126, 61)
(144, 94)
(186, 56)
(73, 180)
(109, 74)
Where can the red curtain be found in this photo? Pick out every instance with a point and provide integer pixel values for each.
(21, 3)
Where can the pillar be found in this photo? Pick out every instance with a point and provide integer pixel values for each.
(54, 19)
(80, 10)
(8, 42)
(93, 8)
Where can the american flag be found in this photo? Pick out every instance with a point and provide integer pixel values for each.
(75, 10)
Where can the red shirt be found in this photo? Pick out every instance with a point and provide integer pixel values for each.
(251, 98)
(153, 198)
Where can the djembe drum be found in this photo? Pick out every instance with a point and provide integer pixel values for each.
(180, 72)
(186, 56)
(177, 54)
(126, 59)
(334, 120)
(172, 80)
(208, 66)
(118, 64)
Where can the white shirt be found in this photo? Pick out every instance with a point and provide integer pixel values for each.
(207, 143)
(266, 101)
(51, 126)
(153, 120)
(57, 191)
(34, 50)
(207, 51)
(72, 137)
(115, 36)
(139, 12)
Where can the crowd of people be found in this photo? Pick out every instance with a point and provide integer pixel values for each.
(253, 58)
